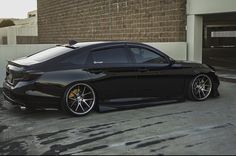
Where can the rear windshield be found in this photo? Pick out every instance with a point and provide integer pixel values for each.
(49, 54)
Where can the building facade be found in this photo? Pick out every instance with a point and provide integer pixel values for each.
(207, 27)
(25, 31)
(211, 32)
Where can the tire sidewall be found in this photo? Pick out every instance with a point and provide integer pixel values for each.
(190, 88)
(64, 105)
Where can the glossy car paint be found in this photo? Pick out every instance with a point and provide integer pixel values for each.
(115, 85)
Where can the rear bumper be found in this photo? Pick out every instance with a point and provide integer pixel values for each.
(9, 98)
(21, 95)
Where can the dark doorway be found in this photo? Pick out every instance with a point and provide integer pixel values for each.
(219, 40)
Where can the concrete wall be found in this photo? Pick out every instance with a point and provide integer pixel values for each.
(3, 33)
(12, 32)
(9, 52)
(194, 38)
(27, 21)
(23, 27)
(198, 7)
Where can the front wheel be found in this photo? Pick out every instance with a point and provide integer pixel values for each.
(200, 87)
(79, 99)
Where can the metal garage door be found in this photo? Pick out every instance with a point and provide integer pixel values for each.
(219, 40)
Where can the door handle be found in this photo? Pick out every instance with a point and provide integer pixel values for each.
(96, 71)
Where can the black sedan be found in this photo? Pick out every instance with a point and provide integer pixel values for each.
(80, 77)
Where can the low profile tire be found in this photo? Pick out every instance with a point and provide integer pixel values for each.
(79, 99)
(200, 88)
(30, 108)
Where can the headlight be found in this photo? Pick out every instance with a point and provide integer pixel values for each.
(211, 68)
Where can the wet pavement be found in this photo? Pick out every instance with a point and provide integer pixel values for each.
(184, 128)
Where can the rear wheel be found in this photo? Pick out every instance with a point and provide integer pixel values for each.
(200, 87)
(79, 99)
(29, 108)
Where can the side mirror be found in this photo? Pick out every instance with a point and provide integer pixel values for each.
(172, 61)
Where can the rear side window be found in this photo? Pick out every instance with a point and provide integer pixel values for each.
(76, 59)
(110, 56)
(49, 54)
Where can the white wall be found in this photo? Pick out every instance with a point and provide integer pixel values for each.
(198, 7)
(13, 31)
(27, 21)
(176, 50)
(27, 30)
(194, 37)
(10, 52)
(3, 32)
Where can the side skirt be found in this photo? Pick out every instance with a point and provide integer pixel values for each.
(108, 108)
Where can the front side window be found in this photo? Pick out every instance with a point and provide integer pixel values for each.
(110, 56)
(146, 56)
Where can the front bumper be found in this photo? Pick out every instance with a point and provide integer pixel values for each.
(216, 84)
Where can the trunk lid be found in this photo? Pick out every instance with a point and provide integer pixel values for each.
(23, 62)
(19, 72)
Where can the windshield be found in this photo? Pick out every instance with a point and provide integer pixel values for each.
(49, 54)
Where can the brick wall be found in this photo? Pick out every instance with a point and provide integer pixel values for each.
(133, 20)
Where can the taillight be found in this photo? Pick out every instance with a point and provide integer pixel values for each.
(29, 76)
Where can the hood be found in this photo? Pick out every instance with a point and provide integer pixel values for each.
(191, 64)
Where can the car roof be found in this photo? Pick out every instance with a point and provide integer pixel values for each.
(98, 43)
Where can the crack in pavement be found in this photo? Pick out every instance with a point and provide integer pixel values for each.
(57, 149)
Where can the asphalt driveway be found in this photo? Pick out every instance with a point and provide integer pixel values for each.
(184, 128)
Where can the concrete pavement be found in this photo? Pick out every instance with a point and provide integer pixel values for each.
(184, 128)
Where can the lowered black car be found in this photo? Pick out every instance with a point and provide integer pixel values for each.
(105, 75)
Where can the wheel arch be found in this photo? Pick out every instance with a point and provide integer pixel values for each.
(215, 82)
(195, 74)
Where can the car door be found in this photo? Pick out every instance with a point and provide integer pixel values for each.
(113, 74)
(157, 78)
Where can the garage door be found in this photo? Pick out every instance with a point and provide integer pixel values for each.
(219, 43)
